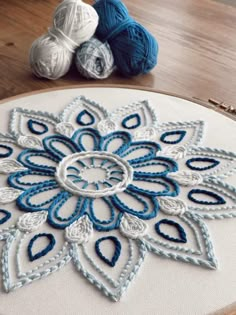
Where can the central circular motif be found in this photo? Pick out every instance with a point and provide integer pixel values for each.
(94, 174)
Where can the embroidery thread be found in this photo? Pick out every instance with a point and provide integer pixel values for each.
(100, 178)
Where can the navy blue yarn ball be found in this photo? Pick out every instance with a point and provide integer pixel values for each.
(134, 49)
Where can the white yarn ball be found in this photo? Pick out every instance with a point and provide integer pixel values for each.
(49, 58)
(51, 55)
(76, 19)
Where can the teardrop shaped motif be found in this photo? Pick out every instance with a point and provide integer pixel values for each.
(134, 119)
(209, 163)
(117, 245)
(180, 133)
(34, 124)
(83, 115)
(182, 235)
(218, 199)
(45, 250)
(6, 216)
(7, 151)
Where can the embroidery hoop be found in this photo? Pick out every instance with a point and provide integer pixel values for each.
(92, 98)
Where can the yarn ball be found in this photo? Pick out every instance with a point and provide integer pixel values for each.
(94, 59)
(51, 55)
(134, 49)
(49, 58)
(76, 19)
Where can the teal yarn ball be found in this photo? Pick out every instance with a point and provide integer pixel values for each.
(94, 59)
(134, 49)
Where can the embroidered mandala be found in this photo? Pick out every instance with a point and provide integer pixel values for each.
(101, 190)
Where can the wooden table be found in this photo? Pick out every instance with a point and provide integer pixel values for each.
(197, 47)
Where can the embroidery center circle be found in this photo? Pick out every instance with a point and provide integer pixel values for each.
(94, 174)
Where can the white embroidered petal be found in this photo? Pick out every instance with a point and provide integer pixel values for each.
(30, 222)
(145, 133)
(65, 129)
(79, 231)
(187, 178)
(30, 142)
(10, 166)
(172, 206)
(175, 152)
(106, 126)
(132, 227)
(8, 194)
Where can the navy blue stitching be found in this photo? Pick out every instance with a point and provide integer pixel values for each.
(7, 154)
(31, 124)
(182, 235)
(130, 117)
(98, 140)
(48, 145)
(43, 252)
(6, 217)
(152, 146)
(219, 200)
(53, 212)
(117, 251)
(204, 168)
(181, 134)
(117, 135)
(140, 214)
(166, 192)
(81, 114)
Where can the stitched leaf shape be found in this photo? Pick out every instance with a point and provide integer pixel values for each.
(188, 133)
(10, 166)
(83, 112)
(173, 137)
(135, 115)
(211, 162)
(214, 211)
(193, 246)
(113, 282)
(30, 123)
(49, 265)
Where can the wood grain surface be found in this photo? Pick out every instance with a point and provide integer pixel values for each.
(197, 47)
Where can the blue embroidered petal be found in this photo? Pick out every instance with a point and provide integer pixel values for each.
(87, 139)
(222, 203)
(65, 209)
(189, 227)
(27, 179)
(182, 235)
(85, 118)
(44, 251)
(103, 214)
(162, 186)
(140, 151)
(5, 151)
(205, 163)
(6, 216)
(59, 146)
(144, 207)
(217, 199)
(131, 122)
(191, 132)
(167, 137)
(156, 167)
(211, 161)
(37, 127)
(117, 250)
(38, 160)
(117, 142)
(48, 192)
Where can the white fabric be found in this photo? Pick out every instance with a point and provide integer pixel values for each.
(162, 286)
